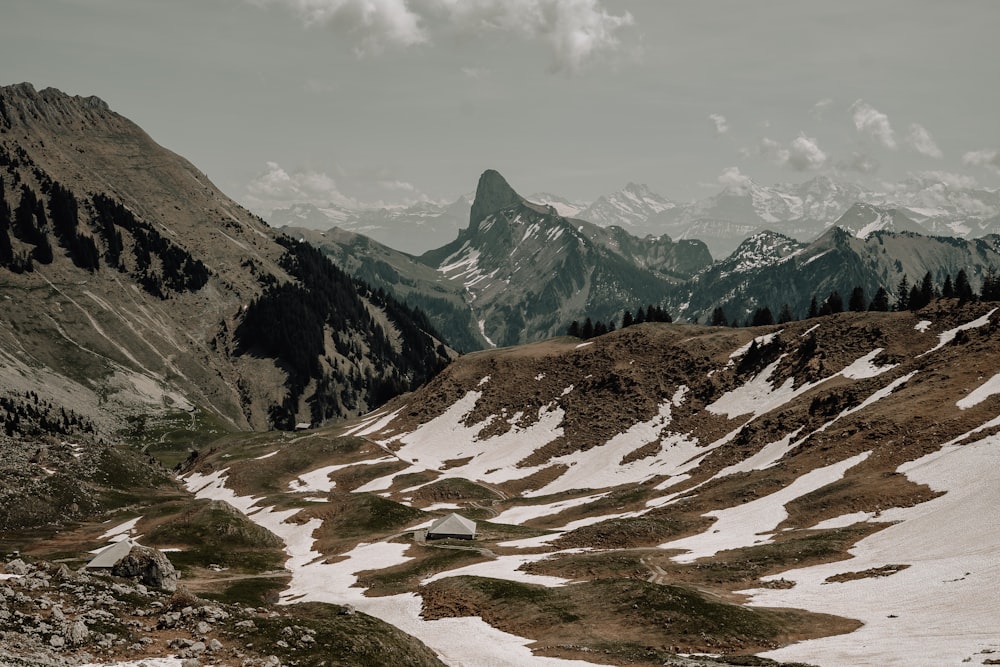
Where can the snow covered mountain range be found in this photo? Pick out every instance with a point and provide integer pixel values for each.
(932, 205)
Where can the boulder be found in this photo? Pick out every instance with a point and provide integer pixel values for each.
(150, 566)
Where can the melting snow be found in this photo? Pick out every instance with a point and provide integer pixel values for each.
(493, 459)
(922, 326)
(753, 522)
(266, 456)
(503, 567)
(980, 393)
(319, 480)
(940, 611)
(844, 520)
(458, 641)
(121, 531)
(760, 340)
(757, 397)
(949, 335)
(768, 456)
(865, 367)
(521, 513)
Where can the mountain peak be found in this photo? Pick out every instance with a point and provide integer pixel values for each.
(492, 194)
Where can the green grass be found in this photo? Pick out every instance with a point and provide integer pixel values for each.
(171, 436)
(250, 592)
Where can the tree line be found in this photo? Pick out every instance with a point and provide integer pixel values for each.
(909, 297)
(160, 266)
(591, 329)
(290, 323)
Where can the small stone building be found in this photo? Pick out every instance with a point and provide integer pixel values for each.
(454, 526)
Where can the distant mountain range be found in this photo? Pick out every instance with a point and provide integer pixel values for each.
(802, 211)
(521, 271)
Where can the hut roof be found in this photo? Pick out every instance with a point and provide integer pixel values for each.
(109, 556)
(453, 524)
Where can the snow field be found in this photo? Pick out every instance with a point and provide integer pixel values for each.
(459, 642)
(503, 567)
(940, 611)
(755, 522)
(446, 437)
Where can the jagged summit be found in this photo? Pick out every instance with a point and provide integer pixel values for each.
(492, 194)
(22, 104)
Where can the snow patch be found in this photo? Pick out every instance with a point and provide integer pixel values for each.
(754, 522)
(980, 393)
(949, 335)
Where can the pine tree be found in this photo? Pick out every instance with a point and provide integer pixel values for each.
(813, 309)
(833, 304)
(880, 303)
(948, 290)
(627, 319)
(587, 331)
(857, 302)
(762, 317)
(785, 316)
(991, 286)
(926, 290)
(963, 290)
(903, 295)
(719, 317)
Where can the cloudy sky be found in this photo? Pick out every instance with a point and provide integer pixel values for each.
(393, 101)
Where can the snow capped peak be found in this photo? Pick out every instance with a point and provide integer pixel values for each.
(631, 207)
(562, 206)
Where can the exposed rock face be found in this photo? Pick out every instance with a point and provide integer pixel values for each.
(493, 193)
(149, 566)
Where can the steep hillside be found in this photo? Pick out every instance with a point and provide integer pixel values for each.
(528, 271)
(808, 492)
(406, 277)
(135, 291)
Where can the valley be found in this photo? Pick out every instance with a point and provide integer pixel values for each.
(284, 414)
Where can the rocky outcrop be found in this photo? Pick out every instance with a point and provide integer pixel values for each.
(149, 566)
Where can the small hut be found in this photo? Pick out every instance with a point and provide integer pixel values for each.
(454, 526)
(110, 556)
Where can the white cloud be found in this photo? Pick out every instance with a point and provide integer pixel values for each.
(475, 72)
(802, 154)
(773, 151)
(820, 107)
(575, 31)
(987, 158)
(371, 24)
(732, 177)
(276, 188)
(949, 179)
(871, 121)
(721, 125)
(805, 153)
(861, 162)
(921, 141)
